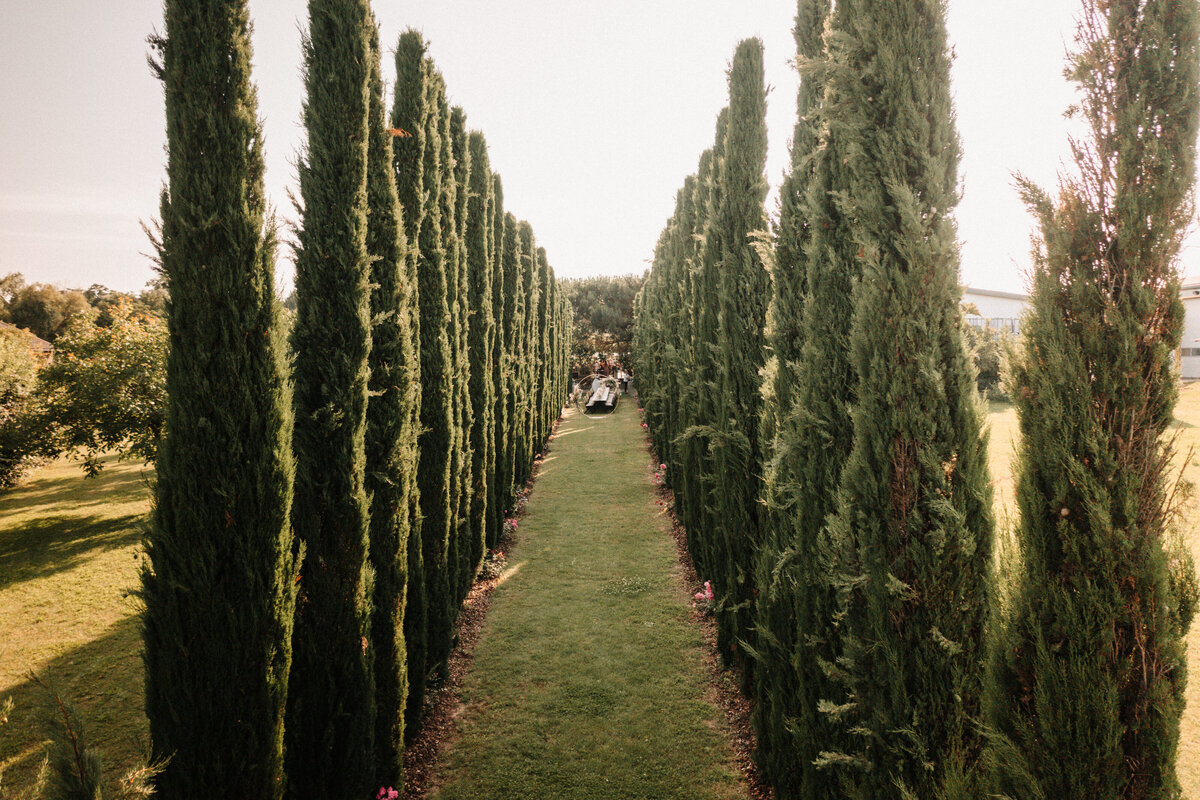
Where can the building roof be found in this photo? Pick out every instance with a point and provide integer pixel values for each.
(35, 344)
(996, 293)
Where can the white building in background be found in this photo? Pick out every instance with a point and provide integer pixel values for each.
(1000, 310)
(1003, 310)
(1189, 345)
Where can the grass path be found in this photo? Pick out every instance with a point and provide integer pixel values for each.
(589, 679)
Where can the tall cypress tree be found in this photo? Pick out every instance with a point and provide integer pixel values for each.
(410, 114)
(219, 588)
(514, 324)
(391, 450)
(542, 337)
(813, 387)
(914, 507)
(744, 289)
(703, 527)
(482, 354)
(1091, 667)
(688, 477)
(463, 570)
(498, 490)
(525, 353)
(330, 714)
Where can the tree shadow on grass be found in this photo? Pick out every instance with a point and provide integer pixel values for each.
(53, 492)
(49, 545)
(103, 680)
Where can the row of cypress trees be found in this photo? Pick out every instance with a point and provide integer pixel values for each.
(317, 528)
(851, 546)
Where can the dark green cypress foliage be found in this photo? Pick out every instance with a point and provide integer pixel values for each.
(219, 588)
(686, 477)
(813, 387)
(482, 356)
(458, 169)
(913, 524)
(391, 438)
(437, 438)
(500, 478)
(410, 113)
(439, 271)
(542, 335)
(331, 705)
(744, 289)
(525, 352)
(703, 527)
(1090, 677)
(514, 324)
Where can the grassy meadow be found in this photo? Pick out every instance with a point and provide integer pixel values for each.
(69, 557)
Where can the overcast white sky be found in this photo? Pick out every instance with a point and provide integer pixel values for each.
(594, 114)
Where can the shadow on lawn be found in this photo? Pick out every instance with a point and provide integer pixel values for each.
(103, 681)
(49, 545)
(45, 493)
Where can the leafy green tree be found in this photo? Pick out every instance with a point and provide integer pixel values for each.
(45, 310)
(219, 585)
(391, 437)
(812, 385)
(913, 525)
(603, 313)
(106, 388)
(331, 700)
(524, 354)
(1091, 664)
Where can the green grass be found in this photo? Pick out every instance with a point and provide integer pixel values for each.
(69, 556)
(589, 678)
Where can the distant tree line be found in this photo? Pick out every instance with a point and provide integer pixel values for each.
(603, 311)
(809, 384)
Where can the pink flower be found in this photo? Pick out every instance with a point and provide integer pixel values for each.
(387, 793)
(644, 425)
(662, 466)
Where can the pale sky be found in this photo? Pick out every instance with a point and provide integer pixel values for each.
(594, 114)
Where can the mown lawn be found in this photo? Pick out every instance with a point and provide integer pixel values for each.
(69, 558)
(589, 679)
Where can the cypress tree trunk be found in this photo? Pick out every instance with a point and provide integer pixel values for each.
(331, 704)
(744, 288)
(1090, 672)
(914, 507)
(813, 387)
(482, 358)
(391, 450)
(218, 650)
(500, 480)
(410, 113)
